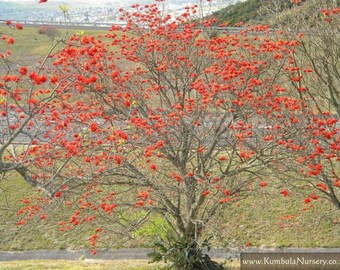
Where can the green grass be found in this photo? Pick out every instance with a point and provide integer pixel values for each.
(37, 234)
(253, 11)
(239, 12)
(92, 265)
(27, 42)
(31, 46)
(256, 220)
(76, 265)
(263, 220)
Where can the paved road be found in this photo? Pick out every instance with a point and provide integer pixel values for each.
(138, 254)
(99, 26)
(120, 254)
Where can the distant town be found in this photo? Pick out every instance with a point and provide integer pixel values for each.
(107, 12)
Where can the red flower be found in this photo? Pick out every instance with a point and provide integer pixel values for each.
(10, 40)
(284, 193)
(325, 12)
(314, 197)
(118, 160)
(93, 127)
(23, 70)
(123, 135)
(177, 178)
(127, 103)
(322, 186)
(153, 167)
(114, 74)
(54, 79)
(139, 204)
(205, 193)
(200, 149)
(57, 194)
(143, 195)
(8, 22)
(42, 216)
(18, 26)
(306, 200)
(224, 200)
(263, 184)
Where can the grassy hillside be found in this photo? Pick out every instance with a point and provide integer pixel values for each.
(261, 11)
(29, 46)
(76, 265)
(263, 219)
(39, 234)
(239, 12)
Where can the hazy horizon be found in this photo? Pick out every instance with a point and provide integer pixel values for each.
(83, 1)
(32, 10)
(43, 3)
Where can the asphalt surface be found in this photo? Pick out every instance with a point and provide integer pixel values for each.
(98, 26)
(139, 253)
(119, 254)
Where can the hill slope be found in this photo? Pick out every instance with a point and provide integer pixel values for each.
(282, 223)
(265, 11)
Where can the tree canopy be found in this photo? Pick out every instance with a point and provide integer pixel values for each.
(156, 117)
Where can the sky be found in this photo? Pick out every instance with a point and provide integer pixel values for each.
(71, 1)
(90, 2)
(13, 5)
(49, 2)
(83, 1)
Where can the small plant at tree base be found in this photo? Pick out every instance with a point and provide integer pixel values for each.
(183, 253)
